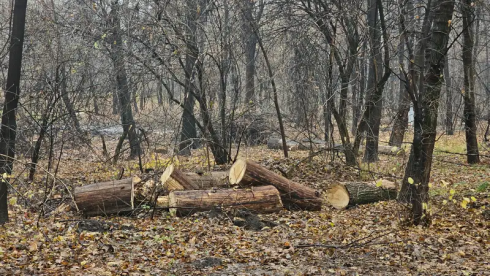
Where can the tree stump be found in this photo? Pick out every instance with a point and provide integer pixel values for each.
(105, 198)
(294, 195)
(265, 199)
(342, 195)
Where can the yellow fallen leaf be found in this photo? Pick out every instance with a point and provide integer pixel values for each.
(410, 180)
(33, 246)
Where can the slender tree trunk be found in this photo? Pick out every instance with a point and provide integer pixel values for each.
(449, 124)
(401, 118)
(250, 41)
(12, 92)
(415, 188)
(274, 90)
(124, 95)
(469, 112)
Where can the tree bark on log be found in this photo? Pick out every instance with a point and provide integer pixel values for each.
(342, 195)
(105, 198)
(174, 180)
(264, 199)
(294, 195)
(208, 180)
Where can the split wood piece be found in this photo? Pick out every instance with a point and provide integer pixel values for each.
(342, 195)
(105, 198)
(294, 195)
(145, 190)
(389, 150)
(276, 143)
(264, 199)
(207, 180)
(174, 180)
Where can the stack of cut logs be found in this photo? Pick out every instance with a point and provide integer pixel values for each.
(246, 185)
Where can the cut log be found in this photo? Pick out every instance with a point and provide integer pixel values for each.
(207, 180)
(294, 195)
(276, 143)
(105, 198)
(346, 194)
(389, 150)
(174, 180)
(265, 199)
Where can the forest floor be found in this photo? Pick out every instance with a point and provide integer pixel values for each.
(371, 239)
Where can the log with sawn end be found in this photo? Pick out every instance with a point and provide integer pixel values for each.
(294, 195)
(264, 199)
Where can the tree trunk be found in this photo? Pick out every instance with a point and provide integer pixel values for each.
(374, 85)
(401, 118)
(415, 188)
(124, 95)
(189, 131)
(12, 92)
(250, 39)
(449, 121)
(294, 195)
(265, 199)
(469, 112)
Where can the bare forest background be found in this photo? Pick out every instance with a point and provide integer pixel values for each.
(174, 76)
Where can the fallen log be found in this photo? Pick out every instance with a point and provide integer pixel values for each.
(389, 150)
(105, 198)
(294, 195)
(173, 180)
(276, 143)
(264, 199)
(346, 194)
(207, 180)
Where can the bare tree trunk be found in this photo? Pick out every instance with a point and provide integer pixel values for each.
(124, 95)
(415, 188)
(250, 43)
(274, 90)
(374, 100)
(189, 131)
(12, 92)
(401, 118)
(449, 122)
(469, 112)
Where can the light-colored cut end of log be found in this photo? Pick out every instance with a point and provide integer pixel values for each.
(172, 202)
(163, 202)
(172, 185)
(385, 184)
(168, 183)
(237, 171)
(136, 180)
(132, 193)
(338, 196)
(167, 173)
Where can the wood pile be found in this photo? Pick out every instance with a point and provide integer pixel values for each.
(246, 186)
